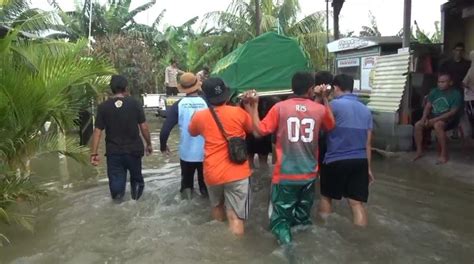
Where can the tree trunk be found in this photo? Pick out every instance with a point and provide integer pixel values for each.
(257, 18)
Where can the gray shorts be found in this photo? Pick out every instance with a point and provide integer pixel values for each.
(235, 195)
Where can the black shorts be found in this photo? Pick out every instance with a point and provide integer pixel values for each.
(322, 147)
(346, 178)
(261, 146)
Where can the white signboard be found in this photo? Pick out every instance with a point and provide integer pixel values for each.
(368, 63)
(349, 44)
(352, 62)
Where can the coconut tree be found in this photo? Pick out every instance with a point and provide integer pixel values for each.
(30, 22)
(238, 24)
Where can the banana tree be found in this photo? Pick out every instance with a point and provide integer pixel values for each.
(107, 19)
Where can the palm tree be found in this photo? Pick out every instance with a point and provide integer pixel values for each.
(29, 22)
(40, 82)
(238, 24)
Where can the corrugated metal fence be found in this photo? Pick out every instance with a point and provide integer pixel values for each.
(389, 83)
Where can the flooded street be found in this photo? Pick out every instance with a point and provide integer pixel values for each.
(415, 216)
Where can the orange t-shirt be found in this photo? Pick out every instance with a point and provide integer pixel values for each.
(218, 169)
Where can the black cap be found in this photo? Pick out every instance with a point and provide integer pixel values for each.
(216, 91)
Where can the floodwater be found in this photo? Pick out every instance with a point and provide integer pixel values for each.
(415, 216)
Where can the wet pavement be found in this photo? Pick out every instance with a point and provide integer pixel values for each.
(416, 215)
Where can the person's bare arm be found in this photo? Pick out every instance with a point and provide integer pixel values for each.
(427, 110)
(167, 78)
(146, 135)
(426, 113)
(445, 116)
(369, 155)
(252, 109)
(95, 159)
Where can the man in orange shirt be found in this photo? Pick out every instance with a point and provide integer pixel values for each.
(227, 182)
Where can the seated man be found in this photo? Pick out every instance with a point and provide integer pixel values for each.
(440, 114)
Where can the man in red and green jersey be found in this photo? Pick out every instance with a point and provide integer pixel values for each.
(296, 122)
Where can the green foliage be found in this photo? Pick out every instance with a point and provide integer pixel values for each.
(132, 57)
(425, 38)
(108, 18)
(421, 36)
(28, 22)
(41, 82)
(16, 189)
(237, 25)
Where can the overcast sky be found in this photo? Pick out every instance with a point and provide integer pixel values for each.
(354, 14)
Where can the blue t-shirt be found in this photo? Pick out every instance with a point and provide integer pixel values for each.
(191, 149)
(349, 138)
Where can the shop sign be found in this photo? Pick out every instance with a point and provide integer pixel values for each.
(349, 44)
(352, 62)
(368, 62)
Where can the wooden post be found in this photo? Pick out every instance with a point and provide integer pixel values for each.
(407, 23)
(337, 6)
(327, 34)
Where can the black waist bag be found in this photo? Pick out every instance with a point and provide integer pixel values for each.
(236, 145)
(237, 150)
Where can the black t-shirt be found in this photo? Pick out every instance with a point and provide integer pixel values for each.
(457, 70)
(120, 118)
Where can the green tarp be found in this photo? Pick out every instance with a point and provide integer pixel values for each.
(265, 63)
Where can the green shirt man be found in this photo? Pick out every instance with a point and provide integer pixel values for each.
(443, 101)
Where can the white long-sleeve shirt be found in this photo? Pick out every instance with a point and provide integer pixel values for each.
(171, 76)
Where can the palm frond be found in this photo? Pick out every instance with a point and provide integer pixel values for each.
(42, 90)
(3, 239)
(311, 23)
(16, 188)
(288, 11)
(159, 18)
(35, 21)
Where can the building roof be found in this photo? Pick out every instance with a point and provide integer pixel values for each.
(354, 43)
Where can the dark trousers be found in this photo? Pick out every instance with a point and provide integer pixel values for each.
(171, 91)
(187, 175)
(469, 108)
(117, 167)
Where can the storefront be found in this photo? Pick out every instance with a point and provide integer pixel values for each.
(357, 57)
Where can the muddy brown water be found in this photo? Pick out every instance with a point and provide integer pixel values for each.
(415, 216)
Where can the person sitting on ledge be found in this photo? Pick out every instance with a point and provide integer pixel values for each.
(441, 114)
